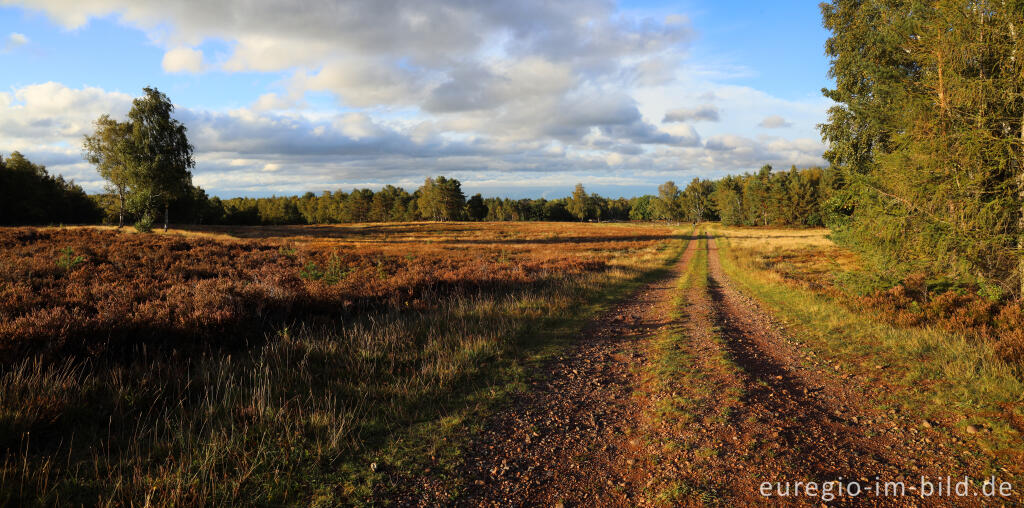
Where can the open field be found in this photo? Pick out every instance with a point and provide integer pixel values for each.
(487, 363)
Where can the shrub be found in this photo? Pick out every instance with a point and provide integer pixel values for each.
(334, 272)
(144, 224)
(67, 260)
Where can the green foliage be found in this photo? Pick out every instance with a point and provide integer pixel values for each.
(667, 205)
(144, 224)
(441, 199)
(695, 202)
(146, 160)
(476, 209)
(728, 199)
(797, 197)
(642, 208)
(68, 260)
(332, 273)
(580, 205)
(927, 133)
(110, 149)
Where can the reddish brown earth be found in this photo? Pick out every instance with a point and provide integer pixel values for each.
(757, 408)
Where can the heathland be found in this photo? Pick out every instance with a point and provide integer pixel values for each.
(430, 363)
(278, 365)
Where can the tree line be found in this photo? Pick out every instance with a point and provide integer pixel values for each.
(146, 161)
(795, 197)
(31, 195)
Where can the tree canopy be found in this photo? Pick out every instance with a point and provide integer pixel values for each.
(441, 199)
(146, 159)
(30, 195)
(928, 133)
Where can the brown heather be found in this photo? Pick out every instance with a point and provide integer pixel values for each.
(275, 365)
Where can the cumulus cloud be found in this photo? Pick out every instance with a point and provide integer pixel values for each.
(443, 56)
(272, 101)
(51, 112)
(484, 91)
(14, 40)
(704, 112)
(361, 82)
(183, 59)
(730, 150)
(774, 122)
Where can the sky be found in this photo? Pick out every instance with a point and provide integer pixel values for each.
(517, 98)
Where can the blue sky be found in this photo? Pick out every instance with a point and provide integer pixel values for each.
(515, 100)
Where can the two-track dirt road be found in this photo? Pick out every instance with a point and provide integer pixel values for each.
(761, 410)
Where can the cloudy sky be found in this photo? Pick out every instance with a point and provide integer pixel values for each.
(514, 98)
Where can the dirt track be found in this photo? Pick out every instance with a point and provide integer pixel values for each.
(759, 409)
(572, 438)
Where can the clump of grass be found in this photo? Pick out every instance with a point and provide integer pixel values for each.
(286, 251)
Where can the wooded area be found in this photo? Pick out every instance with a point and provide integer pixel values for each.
(928, 134)
(31, 195)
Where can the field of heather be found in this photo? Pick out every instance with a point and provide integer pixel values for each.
(286, 365)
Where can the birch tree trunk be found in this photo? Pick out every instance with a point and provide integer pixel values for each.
(120, 210)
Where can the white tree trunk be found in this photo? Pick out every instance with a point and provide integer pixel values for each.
(120, 210)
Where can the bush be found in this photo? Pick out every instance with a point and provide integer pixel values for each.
(144, 224)
(332, 274)
(68, 260)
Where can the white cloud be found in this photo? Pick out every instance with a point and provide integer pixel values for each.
(183, 59)
(14, 40)
(361, 82)
(774, 122)
(272, 101)
(704, 112)
(17, 39)
(444, 57)
(487, 91)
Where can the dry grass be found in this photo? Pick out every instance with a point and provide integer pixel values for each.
(274, 366)
(805, 257)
